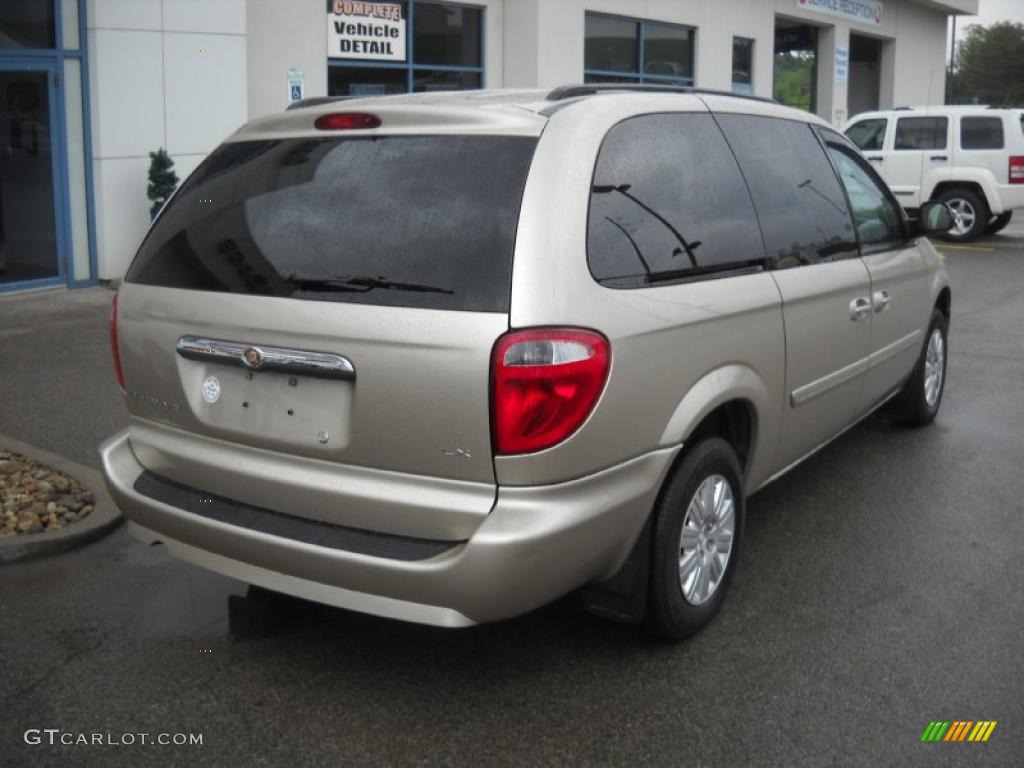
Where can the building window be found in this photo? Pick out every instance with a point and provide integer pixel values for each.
(743, 66)
(442, 51)
(28, 24)
(620, 50)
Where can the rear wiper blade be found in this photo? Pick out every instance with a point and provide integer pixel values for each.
(358, 284)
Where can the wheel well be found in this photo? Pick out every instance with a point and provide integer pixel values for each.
(733, 422)
(943, 302)
(949, 186)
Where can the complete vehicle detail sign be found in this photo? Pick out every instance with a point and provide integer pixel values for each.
(357, 30)
(863, 11)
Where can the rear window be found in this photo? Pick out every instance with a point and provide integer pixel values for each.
(981, 133)
(411, 221)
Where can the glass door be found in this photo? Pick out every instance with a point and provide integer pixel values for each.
(29, 252)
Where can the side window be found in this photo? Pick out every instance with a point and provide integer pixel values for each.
(868, 135)
(801, 207)
(876, 215)
(981, 133)
(667, 203)
(922, 133)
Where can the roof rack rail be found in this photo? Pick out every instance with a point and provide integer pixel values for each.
(316, 101)
(592, 89)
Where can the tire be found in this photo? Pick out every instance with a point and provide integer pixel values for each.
(970, 213)
(676, 606)
(915, 405)
(998, 224)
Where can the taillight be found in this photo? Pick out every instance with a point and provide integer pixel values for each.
(1017, 169)
(545, 382)
(115, 348)
(346, 121)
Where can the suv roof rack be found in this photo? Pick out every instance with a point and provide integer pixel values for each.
(592, 89)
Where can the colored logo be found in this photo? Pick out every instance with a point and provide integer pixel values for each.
(958, 730)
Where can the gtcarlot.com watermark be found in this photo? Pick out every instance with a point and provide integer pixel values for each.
(57, 736)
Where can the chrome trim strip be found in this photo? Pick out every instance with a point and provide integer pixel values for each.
(820, 386)
(321, 365)
(893, 349)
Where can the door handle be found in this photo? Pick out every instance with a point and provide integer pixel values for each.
(940, 157)
(876, 159)
(860, 308)
(881, 300)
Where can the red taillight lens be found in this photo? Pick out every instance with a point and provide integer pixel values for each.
(347, 121)
(1017, 170)
(114, 348)
(545, 382)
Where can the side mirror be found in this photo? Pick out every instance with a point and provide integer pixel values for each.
(935, 219)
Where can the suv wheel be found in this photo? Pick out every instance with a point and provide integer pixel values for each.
(998, 224)
(918, 402)
(970, 215)
(698, 525)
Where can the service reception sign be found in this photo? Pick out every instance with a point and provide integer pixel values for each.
(358, 30)
(858, 11)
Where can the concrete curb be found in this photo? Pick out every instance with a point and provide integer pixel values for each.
(104, 517)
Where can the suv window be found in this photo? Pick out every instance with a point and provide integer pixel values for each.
(801, 207)
(981, 133)
(868, 135)
(875, 213)
(922, 133)
(668, 202)
(412, 221)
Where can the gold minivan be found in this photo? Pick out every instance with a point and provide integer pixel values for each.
(448, 357)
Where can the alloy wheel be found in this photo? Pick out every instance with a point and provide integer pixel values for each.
(934, 367)
(705, 542)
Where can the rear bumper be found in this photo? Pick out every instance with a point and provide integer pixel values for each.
(537, 544)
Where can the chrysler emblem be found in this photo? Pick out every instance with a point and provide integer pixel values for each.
(253, 357)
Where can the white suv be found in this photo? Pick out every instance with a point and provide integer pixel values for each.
(970, 157)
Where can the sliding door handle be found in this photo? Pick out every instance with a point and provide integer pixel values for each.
(860, 308)
(881, 300)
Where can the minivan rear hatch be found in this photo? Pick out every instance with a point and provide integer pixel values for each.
(331, 298)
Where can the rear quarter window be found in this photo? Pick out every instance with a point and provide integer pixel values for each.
(668, 203)
(411, 221)
(981, 133)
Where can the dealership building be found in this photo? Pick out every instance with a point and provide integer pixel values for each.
(91, 87)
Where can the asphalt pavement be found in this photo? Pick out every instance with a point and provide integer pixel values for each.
(880, 588)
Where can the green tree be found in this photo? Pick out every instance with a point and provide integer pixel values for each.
(989, 67)
(162, 179)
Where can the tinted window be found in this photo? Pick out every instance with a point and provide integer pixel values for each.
(27, 24)
(799, 202)
(868, 135)
(611, 44)
(981, 133)
(921, 132)
(742, 65)
(668, 50)
(446, 34)
(435, 214)
(668, 202)
(877, 217)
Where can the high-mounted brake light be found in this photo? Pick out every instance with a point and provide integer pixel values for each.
(544, 384)
(346, 121)
(1017, 169)
(115, 348)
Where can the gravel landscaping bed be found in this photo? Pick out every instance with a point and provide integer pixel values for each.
(35, 498)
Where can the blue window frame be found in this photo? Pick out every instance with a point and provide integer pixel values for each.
(619, 49)
(428, 56)
(53, 61)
